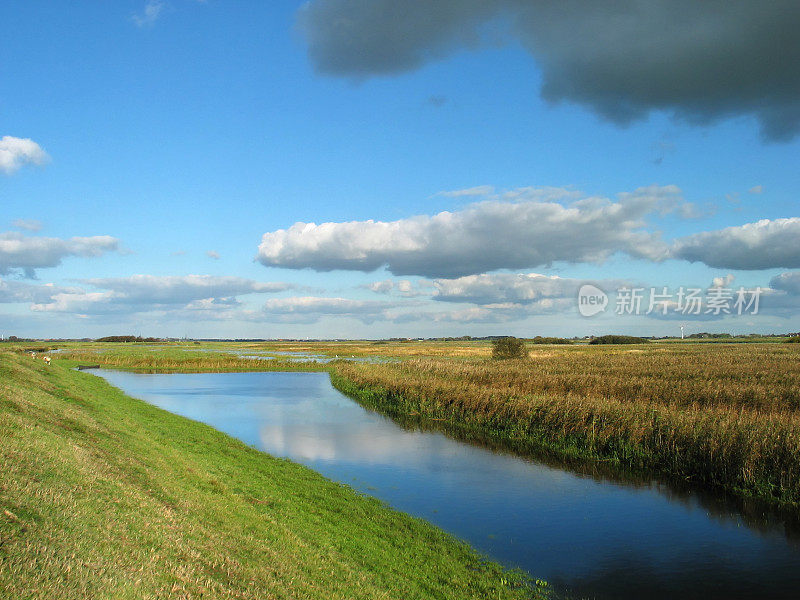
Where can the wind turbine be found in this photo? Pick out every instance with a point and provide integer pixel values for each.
(681, 331)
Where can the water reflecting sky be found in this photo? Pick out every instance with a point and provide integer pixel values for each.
(593, 537)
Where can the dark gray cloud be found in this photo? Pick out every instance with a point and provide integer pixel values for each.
(787, 282)
(765, 244)
(496, 234)
(701, 61)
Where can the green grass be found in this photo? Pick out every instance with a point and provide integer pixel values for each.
(105, 496)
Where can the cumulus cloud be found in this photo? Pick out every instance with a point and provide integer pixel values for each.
(212, 254)
(765, 244)
(18, 251)
(701, 61)
(16, 152)
(485, 236)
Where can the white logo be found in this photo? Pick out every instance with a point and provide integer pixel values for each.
(591, 300)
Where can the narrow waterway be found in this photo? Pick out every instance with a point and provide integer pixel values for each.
(592, 537)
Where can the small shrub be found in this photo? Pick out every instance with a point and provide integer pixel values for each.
(619, 339)
(508, 347)
(795, 339)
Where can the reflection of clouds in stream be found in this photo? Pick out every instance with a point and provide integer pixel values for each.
(353, 443)
(350, 434)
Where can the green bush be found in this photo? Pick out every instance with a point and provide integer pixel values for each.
(508, 347)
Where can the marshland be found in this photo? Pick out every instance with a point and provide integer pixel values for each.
(707, 427)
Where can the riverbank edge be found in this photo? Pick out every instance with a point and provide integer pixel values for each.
(63, 407)
(526, 440)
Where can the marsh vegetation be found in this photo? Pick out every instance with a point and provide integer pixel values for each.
(726, 416)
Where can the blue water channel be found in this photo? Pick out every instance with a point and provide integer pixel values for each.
(589, 536)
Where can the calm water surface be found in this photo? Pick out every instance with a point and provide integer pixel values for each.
(593, 538)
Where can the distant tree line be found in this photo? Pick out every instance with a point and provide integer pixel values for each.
(128, 338)
(549, 340)
(618, 339)
(704, 335)
(13, 338)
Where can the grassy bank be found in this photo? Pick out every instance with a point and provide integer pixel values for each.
(105, 496)
(720, 416)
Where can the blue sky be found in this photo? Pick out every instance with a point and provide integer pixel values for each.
(176, 136)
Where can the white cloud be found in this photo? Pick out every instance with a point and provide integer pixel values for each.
(141, 293)
(12, 291)
(517, 288)
(403, 287)
(150, 13)
(16, 152)
(498, 312)
(381, 287)
(723, 282)
(18, 251)
(176, 289)
(212, 254)
(27, 224)
(766, 244)
(481, 237)
(309, 309)
(80, 302)
(480, 190)
(756, 189)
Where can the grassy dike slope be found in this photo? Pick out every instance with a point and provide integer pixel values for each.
(105, 496)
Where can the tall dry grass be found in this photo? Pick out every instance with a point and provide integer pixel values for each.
(726, 416)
